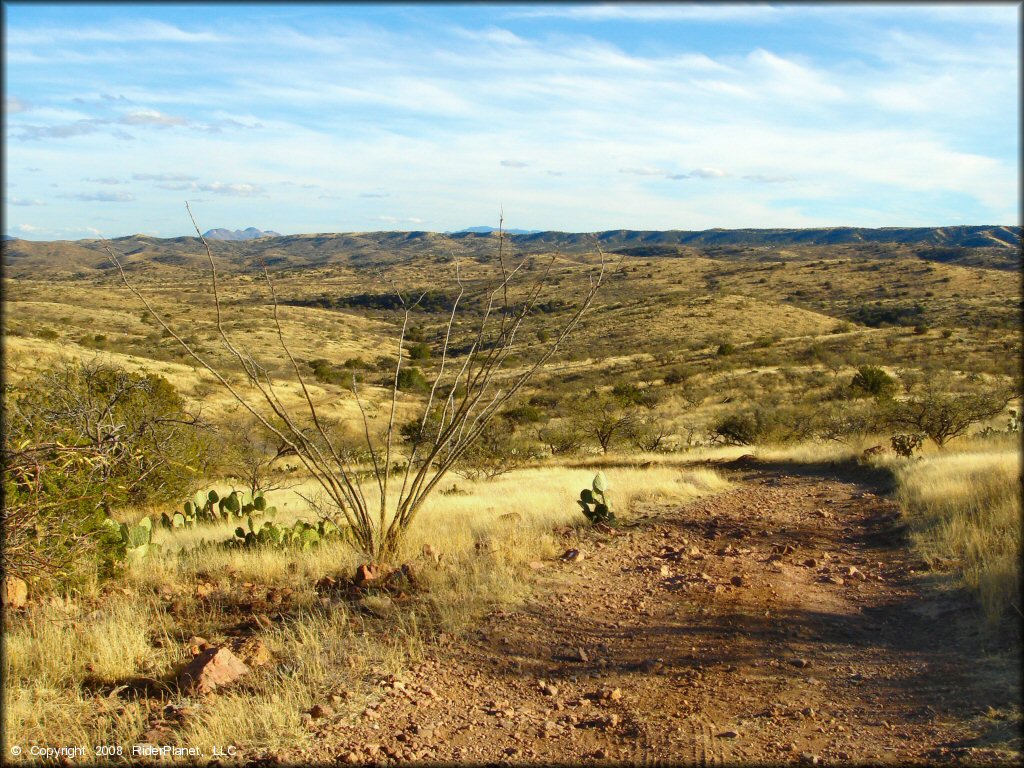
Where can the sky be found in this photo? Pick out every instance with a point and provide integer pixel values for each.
(573, 117)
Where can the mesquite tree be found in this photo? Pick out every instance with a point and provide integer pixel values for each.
(467, 389)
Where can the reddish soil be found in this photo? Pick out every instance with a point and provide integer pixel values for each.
(729, 630)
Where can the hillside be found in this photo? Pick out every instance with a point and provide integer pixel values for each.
(985, 246)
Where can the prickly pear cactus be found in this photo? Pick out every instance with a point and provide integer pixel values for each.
(593, 501)
(301, 534)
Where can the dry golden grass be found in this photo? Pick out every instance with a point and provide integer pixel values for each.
(964, 510)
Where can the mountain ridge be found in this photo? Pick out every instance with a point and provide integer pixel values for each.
(249, 233)
(991, 246)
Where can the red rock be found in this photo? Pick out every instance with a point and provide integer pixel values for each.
(211, 669)
(251, 651)
(366, 573)
(321, 710)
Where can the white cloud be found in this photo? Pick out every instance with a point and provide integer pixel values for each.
(708, 173)
(236, 190)
(65, 131)
(129, 31)
(24, 201)
(151, 117)
(660, 12)
(514, 164)
(163, 177)
(782, 77)
(644, 171)
(102, 197)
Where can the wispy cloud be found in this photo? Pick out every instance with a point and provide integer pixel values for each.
(151, 117)
(234, 190)
(141, 30)
(645, 171)
(708, 173)
(659, 12)
(65, 131)
(514, 164)
(24, 201)
(102, 197)
(163, 177)
(105, 180)
(766, 178)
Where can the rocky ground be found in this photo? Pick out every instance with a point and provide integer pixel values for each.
(782, 621)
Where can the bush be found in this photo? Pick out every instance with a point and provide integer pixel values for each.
(905, 445)
(763, 425)
(523, 414)
(737, 429)
(494, 453)
(725, 349)
(82, 439)
(678, 375)
(326, 373)
(562, 440)
(942, 415)
(420, 351)
(411, 380)
(872, 381)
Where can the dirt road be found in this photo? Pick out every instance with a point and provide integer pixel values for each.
(782, 621)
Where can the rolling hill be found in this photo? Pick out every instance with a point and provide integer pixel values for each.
(984, 246)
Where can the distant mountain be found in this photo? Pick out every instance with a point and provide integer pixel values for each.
(489, 230)
(996, 247)
(250, 233)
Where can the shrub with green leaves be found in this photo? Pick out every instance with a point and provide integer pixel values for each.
(81, 439)
(872, 381)
(905, 445)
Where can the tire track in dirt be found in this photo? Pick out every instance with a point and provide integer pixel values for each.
(769, 623)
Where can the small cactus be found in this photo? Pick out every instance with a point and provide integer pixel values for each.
(300, 534)
(594, 502)
(136, 540)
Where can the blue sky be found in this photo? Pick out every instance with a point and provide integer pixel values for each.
(339, 117)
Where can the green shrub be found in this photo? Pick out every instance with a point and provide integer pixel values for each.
(420, 351)
(678, 375)
(524, 414)
(82, 439)
(872, 381)
(411, 380)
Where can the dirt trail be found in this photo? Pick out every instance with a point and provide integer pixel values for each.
(779, 621)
